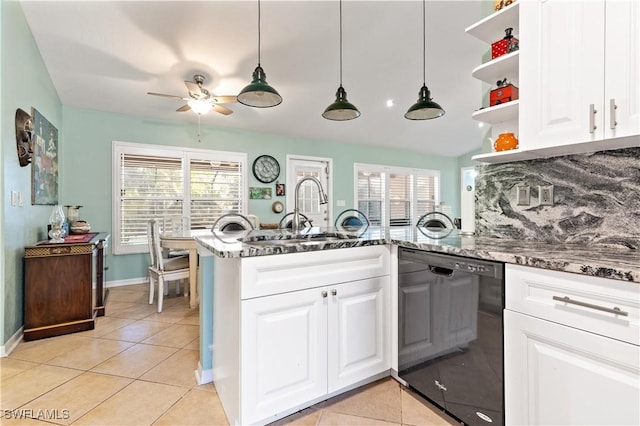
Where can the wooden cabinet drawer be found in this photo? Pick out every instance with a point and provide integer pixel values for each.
(266, 275)
(603, 306)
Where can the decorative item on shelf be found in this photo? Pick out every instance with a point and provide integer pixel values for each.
(505, 92)
(508, 44)
(499, 4)
(341, 109)
(258, 93)
(505, 142)
(56, 221)
(79, 227)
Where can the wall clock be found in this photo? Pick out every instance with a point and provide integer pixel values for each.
(266, 168)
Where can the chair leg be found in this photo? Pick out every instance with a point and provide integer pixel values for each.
(151, 288)
(160, 292)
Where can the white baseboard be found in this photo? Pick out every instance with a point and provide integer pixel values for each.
(203, 376)
(11, 344)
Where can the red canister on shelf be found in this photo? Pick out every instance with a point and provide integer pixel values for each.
(507, 45)
(506, 92)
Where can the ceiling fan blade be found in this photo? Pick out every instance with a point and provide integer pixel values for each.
(166, 96)
(225, 99)
(222, 110)
(184, 108)
(193, 87)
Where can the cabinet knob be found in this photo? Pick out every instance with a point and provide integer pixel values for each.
(324, 293)
(334, 292)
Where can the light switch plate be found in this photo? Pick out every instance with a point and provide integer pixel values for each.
(524, 195)
(545, 195)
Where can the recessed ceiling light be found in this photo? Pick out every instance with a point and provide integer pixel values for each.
(389, 103)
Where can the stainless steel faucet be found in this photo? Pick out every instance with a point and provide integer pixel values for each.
(295, 225)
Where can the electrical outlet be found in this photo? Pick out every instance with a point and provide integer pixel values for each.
(524, 195)
(545, 195)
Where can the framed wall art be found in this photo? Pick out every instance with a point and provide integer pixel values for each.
(259, 193)
(44, 166)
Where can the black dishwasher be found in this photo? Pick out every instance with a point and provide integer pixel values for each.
(450, 333)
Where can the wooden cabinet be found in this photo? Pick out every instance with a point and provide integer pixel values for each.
(58, 296)
(580, 74)
(289, 330)
(566, 360)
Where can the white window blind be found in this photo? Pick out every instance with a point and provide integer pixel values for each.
(164, 182)
(395, 196)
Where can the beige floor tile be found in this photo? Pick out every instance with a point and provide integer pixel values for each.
(45, 349)
(129, 296)
(140, 403)
(137, 331)
(175, 336)
(21, 418)
(195, 408)
(169, 314)
(134, 361)
(105, 325)
(208, 387)
(130, 310)
(10, 367)
(30, 384)
(418, 412)
(193, 318)
(193, 345)
(330, 418)
(89, 354)
(379, 400)
(79, 395)
(308, 417)
(178, 369)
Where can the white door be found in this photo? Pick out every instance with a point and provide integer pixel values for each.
(558, 375)
(561, 72)
(284, 352)
(358, 331)
(297, 168)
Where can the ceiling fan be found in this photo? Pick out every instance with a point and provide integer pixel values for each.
(200, 100)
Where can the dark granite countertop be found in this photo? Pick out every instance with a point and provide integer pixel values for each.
(599, 261)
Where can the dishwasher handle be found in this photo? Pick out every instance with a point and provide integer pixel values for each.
(439, 270)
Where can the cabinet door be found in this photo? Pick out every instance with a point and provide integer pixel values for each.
(622, 68)
(561, 72)
(560, 375)
(358, 331)
(284, 352)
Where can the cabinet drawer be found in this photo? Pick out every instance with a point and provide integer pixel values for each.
(598, 305)
(266, 275)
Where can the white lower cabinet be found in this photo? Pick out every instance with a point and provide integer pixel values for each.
(562, 367)
(287, 349)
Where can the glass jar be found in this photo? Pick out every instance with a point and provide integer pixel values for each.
(56, 220)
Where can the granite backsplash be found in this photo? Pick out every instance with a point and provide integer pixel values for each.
(596, 199)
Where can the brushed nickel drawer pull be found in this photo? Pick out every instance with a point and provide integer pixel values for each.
(612, 114)
(334, 292)
(592, 118)
(614, 310)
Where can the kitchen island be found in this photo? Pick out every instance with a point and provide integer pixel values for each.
(270, 284)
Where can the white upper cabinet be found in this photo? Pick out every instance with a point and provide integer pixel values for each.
(581, 58)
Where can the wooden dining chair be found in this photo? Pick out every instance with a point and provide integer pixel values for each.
(163, 269)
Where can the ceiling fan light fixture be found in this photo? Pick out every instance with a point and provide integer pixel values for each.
(259, 93)
(425, 108)
(341, 109)
(200, 107)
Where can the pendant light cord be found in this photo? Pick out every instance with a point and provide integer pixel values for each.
(258, 32)
(340, 43)
(424, 45)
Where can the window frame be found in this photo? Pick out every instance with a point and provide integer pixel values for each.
(175, 152)
(386, 171)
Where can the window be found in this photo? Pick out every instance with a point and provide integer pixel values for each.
(395, 196)
(159, 182)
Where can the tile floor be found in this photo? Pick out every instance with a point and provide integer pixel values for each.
(137, 368)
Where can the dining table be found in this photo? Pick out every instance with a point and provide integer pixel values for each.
(185, 240)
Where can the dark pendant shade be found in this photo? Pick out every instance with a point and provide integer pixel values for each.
(258, 93)
(341, 109)
(425, 108)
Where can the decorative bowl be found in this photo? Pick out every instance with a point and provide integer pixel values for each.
(79, 227)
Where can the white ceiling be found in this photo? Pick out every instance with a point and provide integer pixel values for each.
(106, 55)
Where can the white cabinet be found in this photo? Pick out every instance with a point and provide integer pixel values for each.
(579, 75)
(567, 361)
(289, 330)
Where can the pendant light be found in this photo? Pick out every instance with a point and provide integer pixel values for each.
(424, 108)
(258, 93)
(341, 109)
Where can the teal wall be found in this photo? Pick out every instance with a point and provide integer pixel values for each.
(24, 83)
(88, 156)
